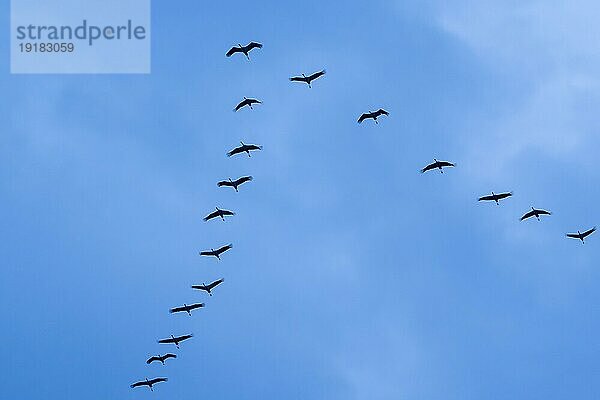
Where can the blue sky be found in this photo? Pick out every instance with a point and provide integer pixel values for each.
(352, 275)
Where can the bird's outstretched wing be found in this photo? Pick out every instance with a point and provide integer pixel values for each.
(504, 195)
(573, 235)
(224, 183)
(316, 75)
(254, 45)
(241, 104)
(243, 179)
(167, 340)
(528, 214)
(227, 212)
(543, 212)
(254, 147)
(224, 249)
(445, 164)
(298, 79)
(233, 50)
(157, 380)
(211, 215)
(207, 253)
(169, 355)
(363, 117)
(140, 383)
(429, 167)
(215, 283)
(184, 337)
(195, 306)
(177, 309)
(588, 232)
(486, 198)
(152, 359)
(381, 111)
(235, 151)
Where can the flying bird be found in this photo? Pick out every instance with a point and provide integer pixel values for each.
(495, 197)
(244, 49)
(219, 213)
(244, 148)
(175, 340)
(437, 164)
(216, 253)
(149, 383)
(308, 79)
(247, 103)
(582, 236)
(373, 115)
(187, 308)
(208, 288)
(160, 358)
(235, 184)
(535, 213)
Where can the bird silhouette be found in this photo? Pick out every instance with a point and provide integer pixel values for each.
(235, 184)
(581, 236)
(373, 115)
(208, 288)
(175, 339)
(244, 49)
(160, 358)
(247, 103)
(308, 79)
(437, 164)
(148, 383)
(495, 197)
(535, 213)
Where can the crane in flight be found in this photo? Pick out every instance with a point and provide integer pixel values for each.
(244, 148)
(437, 164)
(581, 236)
(373, 115)
(219, 213)
(175, 339)
(247, 103)
(308, 79)
(535, 212)
(149, 383)
(244, 49)
(495, 197)
(216, 253)
(208, 288)
(160, 358)
(235, 184)
(186, 308)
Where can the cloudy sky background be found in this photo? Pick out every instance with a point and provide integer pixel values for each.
(352, 275)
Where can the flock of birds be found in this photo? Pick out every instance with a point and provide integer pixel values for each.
(235, 184)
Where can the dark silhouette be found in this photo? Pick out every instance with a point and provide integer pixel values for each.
(219, 213)
(149, 383)
(186, 308)
(535, 213)
(247, 102)
(373, 115)
(495, 197)
(244, 49)
(437, 164)
(160, 358)
(208, 288)
(582, 236)
(308, 79)
(175, 340)
(236, 183)
(216, 253)
(244, 148)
